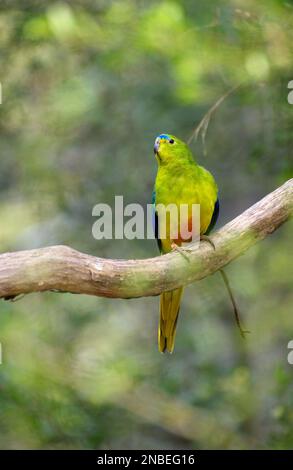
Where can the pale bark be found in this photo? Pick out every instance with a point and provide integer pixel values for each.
(64, 269)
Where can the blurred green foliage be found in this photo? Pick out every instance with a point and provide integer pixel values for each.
(86, 87)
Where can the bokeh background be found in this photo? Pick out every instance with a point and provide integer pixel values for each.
(86, 87)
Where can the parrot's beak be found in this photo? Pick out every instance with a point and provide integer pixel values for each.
(156, 146)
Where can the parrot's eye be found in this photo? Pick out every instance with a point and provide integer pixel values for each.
(171, 141)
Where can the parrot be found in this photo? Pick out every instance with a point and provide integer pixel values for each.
(180, 180)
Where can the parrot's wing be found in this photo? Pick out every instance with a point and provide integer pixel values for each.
(155, 221)
(214, 216)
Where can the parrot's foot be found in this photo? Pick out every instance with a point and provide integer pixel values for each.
(181, 250)
(184, 250)
(205, 238)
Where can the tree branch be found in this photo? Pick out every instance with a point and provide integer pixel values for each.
(63, 269)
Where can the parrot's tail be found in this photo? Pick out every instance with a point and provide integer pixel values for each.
(169, 310)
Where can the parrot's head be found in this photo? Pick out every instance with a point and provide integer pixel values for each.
(169, 150)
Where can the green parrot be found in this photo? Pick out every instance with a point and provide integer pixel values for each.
(180, 180)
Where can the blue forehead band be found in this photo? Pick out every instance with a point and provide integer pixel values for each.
(164, 136)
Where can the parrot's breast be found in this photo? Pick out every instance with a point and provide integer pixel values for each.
(183, 189)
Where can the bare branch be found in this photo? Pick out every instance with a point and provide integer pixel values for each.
(63, 269)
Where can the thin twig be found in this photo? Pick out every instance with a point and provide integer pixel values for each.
(236, 311)
(204, 123)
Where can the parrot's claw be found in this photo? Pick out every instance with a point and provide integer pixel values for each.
(181, 250)
(205, 238)
(184, 250)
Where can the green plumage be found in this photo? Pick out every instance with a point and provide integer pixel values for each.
(180, 180)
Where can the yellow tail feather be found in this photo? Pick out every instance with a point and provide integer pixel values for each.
(169, 310)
